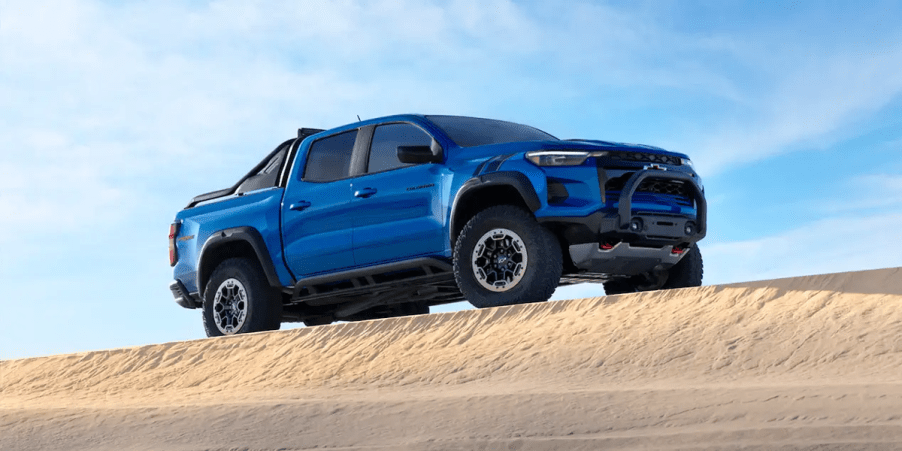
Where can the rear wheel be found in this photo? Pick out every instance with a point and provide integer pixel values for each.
(239, 300)
(503, 257)
(687, 273)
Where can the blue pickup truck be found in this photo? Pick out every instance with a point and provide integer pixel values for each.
(389, 216)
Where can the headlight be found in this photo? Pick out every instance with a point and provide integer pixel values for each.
(687, 162)
(557, 157)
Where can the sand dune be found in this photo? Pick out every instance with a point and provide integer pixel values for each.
(802, 363)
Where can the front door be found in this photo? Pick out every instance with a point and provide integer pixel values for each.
(397, 207)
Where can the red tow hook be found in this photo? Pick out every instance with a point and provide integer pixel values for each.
(606, 246)
(677, 250)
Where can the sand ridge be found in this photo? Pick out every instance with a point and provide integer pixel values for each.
(836, 336)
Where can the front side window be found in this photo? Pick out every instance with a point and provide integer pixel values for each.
(330, 158)
(387, 138)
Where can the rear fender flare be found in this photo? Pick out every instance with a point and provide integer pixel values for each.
(222, 238)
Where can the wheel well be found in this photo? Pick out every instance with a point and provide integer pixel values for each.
(560, 234)
(479, 199)
(221, 252)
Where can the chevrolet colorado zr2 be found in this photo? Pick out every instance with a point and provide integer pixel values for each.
(389, 216)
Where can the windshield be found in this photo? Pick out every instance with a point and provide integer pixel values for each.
(473, 131)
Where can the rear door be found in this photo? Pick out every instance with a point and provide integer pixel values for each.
(397, 207)
(316, 211)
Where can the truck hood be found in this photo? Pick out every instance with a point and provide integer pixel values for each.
(489, 150)
(594, 144)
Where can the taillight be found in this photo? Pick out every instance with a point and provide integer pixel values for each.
(173, 252)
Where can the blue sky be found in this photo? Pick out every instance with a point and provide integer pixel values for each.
(114, 114)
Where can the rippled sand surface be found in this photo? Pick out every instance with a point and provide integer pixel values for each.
(802, 363)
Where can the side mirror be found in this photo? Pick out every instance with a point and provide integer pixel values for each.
(420, 154)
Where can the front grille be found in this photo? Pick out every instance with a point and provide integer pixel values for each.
(655, 186)
(676, 188)
(644, 157)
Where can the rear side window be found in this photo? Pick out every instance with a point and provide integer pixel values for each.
(266, 177)
(275, 163)
(330, 158)
(387, 138)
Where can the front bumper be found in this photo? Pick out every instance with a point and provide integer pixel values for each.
(182, 297)
(625, 205)
(640, 241)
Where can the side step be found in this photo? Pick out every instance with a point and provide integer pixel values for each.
(378, 281)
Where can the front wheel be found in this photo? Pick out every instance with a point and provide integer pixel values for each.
(239, 300)
(503, 257)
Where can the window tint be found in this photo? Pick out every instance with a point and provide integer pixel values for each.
(275, 163)
(330, 158)
(473, 131)
(387, 138)
(266, 177)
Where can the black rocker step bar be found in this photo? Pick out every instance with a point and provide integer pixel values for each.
(336, 288)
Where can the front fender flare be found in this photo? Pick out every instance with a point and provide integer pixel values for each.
(517, 180)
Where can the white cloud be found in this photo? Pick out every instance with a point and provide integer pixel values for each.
(847, 243)
(814, 101)
(866, 194)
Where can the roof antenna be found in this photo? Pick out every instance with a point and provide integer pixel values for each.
(358, 118)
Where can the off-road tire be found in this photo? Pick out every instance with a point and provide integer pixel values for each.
(541, 273)
(263, 303)
(687, 273)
